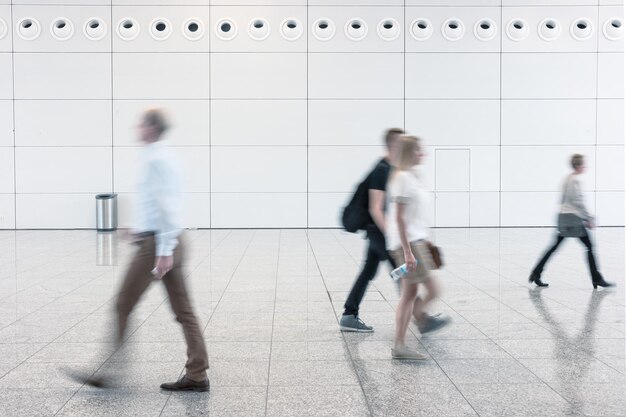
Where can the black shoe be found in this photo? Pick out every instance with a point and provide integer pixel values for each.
(600, 282)
(537, 280)
(186, 384)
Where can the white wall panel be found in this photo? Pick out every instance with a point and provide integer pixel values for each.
(325, 208)
(127, 167)
(188, 121)
(6, 81)
(268, 122)
(355, 76)
(606, 14)
(452, 209)
(197, 210)
(5, 26)
(485, 168)
(159, 2)
(7, 211)
(253, 2)
(353, 122)
(611, 75)
(610, 210)
(543, 168)
(67, 76)
(254, 76)
(63, 123)
(475, 122)
(550, 2)
(538, 76)
(529, 209)
(610, 122)
(465, 16)
(610, 168)
(7, 184)
(63, 170)
(340, 168)
(243, 17)
(160, 76)
(258, 169)
(563, 17)
(76, 17)
(446, 75)
(252, 210)
(77, 2)
(147, 17)
(453, 2)
(350, 2)
(63, 211)
(371, 17)
(125, 209)
(6, 123)
(548, 122)
(485, 209)
(452, 170)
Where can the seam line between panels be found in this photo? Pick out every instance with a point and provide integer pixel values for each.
(14, 122)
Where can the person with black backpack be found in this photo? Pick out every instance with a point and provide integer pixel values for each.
(366, 212)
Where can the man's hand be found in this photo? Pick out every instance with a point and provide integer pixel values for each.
(162, 265)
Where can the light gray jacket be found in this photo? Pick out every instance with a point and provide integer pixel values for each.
(573, 200)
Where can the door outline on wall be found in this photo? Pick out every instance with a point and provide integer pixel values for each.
(440, 188)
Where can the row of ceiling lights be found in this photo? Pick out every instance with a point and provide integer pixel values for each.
(324, 29)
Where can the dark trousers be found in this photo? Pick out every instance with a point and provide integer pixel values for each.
(137, 280)
(593, 268)
(376, 253)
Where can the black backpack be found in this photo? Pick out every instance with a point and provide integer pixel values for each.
(356, 215)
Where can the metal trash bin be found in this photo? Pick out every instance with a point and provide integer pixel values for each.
(106, 212)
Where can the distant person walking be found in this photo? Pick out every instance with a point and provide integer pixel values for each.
(574, 220)
(375, 183)
(408, 232)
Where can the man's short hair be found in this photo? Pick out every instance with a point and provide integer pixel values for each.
(577, 160)
(392, 135)
(156, 118)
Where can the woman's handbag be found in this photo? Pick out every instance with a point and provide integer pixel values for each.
(435, 254)
(570, 225)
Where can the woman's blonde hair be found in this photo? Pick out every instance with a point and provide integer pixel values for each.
(404, 152)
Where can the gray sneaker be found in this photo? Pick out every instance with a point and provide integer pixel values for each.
(404, 353)
(432, 323)
(352, 323)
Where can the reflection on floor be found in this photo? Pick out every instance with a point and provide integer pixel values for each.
(269, 301)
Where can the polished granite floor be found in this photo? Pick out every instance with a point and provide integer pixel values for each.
(269, 301)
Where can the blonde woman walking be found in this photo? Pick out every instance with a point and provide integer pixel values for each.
(407, 238)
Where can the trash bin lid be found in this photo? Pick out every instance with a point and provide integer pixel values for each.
(105, 196)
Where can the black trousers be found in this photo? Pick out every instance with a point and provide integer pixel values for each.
(593, 268)
(376, 253)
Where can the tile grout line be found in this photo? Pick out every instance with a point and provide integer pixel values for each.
(269, 365)
(343, 336)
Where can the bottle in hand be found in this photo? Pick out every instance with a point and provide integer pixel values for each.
(399, 272)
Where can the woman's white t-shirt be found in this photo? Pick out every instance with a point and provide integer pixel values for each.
(405, 187)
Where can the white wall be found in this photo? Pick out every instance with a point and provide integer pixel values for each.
(277, 132)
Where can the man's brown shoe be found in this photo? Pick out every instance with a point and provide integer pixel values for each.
(186, 384)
